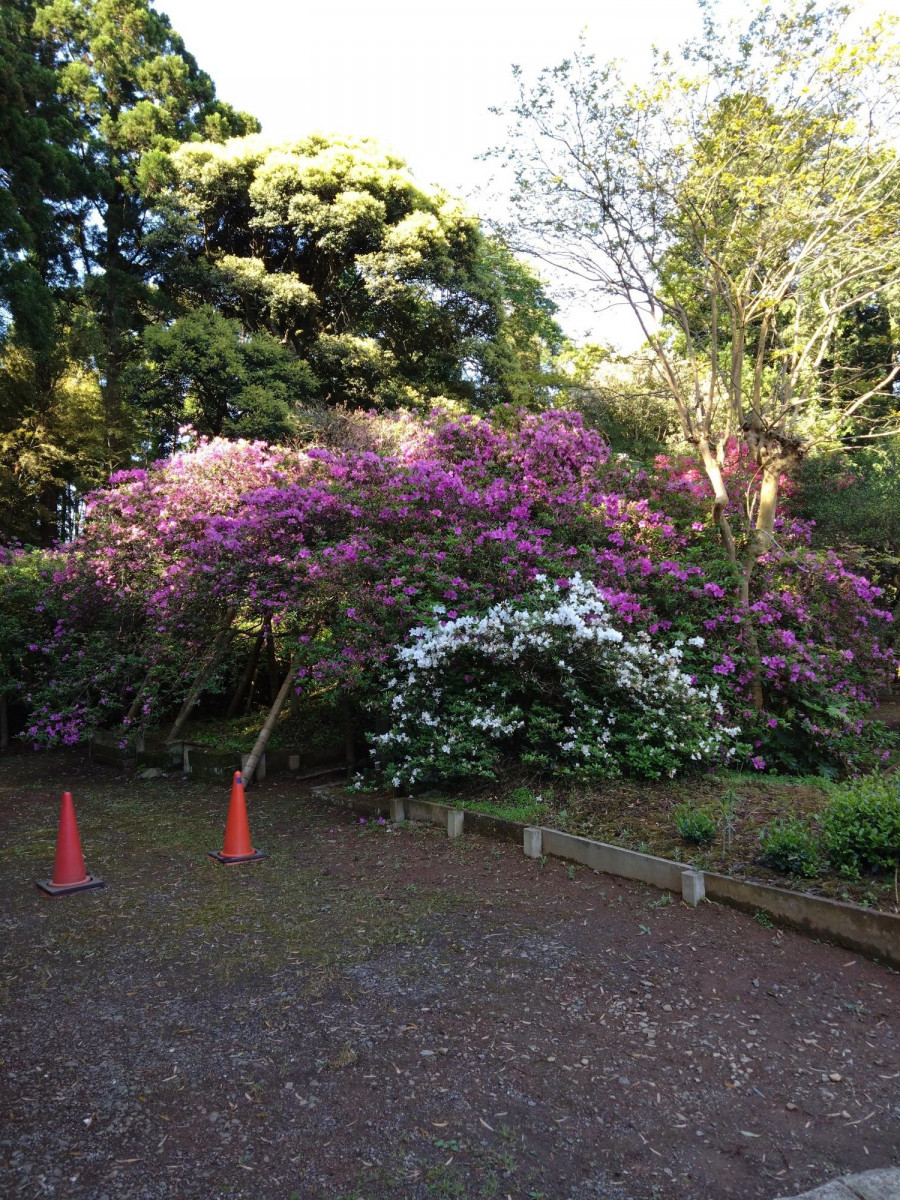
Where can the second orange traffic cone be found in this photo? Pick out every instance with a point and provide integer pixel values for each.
(69, 874)
(237, 846)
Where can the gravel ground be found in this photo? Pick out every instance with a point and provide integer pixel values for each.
(369, 1015)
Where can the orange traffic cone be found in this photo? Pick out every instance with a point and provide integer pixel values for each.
(237, 846)
(69, 874)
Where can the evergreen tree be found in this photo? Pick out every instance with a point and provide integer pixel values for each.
(134, 93)
(40, 174)
(92, 94)
(203, 370)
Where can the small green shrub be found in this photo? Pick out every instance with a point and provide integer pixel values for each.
(789, 845)
(861, 825)
(524, 796)
(695, 824)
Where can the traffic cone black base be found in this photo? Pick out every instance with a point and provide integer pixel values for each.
(69, 874)
(227, 859)
(54, 889)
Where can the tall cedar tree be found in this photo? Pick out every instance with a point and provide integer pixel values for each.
(134, 93)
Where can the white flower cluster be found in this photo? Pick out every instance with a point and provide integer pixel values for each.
(506, 631)
(620, 695)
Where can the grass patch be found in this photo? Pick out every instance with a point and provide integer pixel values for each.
(520, 805)
(167, 902)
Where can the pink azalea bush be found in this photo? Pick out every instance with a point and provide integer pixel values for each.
(347, 550)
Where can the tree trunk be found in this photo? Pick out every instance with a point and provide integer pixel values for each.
(747, 566)
(266, 732)
(48, 514)
(136, 702)
(246, 679)
(720, 501)
(251, 691)
(4, 724)
(775, 454)
(272, 661)
(202, 676)
(349, 736)
(118, 319)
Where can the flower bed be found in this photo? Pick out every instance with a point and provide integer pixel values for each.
(642, 816)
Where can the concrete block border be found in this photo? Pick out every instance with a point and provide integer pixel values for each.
(875, 934)
(614, 860)
(205, 762)
(693, 887)
(533, 842)
(867, 931)
(881, 1184)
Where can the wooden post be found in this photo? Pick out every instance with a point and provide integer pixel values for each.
(266, 732)
(202, 676)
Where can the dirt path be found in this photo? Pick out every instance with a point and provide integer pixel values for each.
(381, 1015)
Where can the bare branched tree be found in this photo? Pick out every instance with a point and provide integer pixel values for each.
(744, 203)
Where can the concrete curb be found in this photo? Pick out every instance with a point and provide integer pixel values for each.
(869, 1185)
(613, 860)
(875, 934)
(867, 931)
(205, 762)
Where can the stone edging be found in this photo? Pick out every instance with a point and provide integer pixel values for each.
(205, 762)
(868, 1185)
(867, 931)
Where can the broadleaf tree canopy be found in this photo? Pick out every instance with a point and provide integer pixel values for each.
(743, 205)
(387, 289)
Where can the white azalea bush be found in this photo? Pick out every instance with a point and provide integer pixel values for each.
(547, 680)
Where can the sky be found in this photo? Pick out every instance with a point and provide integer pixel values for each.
(421, 75)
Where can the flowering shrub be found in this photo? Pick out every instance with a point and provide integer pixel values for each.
(550, 680)
(822, 630)
(342, 550)
(26, 621)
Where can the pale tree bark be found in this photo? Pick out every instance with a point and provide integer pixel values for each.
(259, 746)
(740, 210)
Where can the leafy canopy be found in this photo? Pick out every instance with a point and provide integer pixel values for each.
(201, 369)
(743, 204)
(387, 289)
